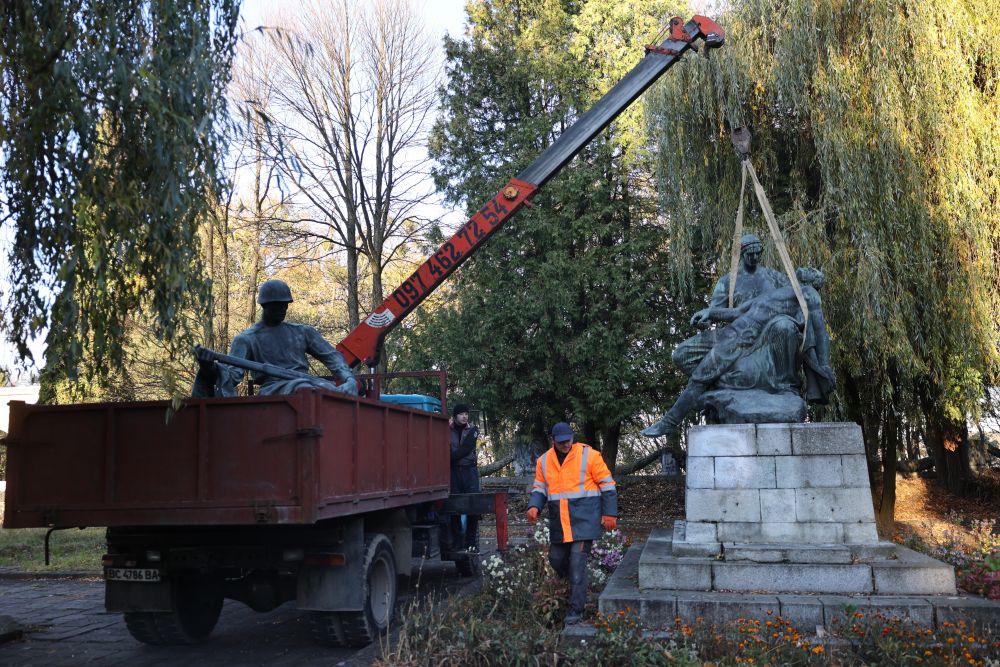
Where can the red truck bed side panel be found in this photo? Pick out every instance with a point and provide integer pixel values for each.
(269, 459)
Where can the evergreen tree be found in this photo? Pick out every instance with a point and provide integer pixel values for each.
(564, 314)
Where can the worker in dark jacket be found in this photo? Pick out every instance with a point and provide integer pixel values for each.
(577, 485)
(464, 474)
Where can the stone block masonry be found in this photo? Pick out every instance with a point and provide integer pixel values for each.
(775, 483)
(779, 519)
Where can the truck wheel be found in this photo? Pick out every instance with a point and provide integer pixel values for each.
(361, 628)
(197, 605)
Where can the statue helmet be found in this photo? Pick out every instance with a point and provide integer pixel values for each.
(274, 290)
(748, 240)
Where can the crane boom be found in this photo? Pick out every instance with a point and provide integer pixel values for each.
(364, 342)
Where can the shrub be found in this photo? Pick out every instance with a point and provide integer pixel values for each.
(976, 560)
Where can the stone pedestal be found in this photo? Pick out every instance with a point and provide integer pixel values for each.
(775, 484)
(778, 516)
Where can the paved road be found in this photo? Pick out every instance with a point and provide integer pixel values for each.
(66, 626)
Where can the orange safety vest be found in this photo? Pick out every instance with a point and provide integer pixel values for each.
(579, 492)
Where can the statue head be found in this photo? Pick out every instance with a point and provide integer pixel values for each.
(274, 290)
(750, 251)
(808, 275)
(274, 297)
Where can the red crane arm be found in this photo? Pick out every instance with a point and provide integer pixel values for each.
(364, 343)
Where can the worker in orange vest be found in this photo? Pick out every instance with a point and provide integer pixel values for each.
(576, 483)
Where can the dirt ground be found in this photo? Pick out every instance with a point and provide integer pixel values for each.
(924, 507)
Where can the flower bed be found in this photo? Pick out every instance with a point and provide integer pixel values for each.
(516, 619)
(972, 547)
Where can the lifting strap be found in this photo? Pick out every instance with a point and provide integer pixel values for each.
(779, 242)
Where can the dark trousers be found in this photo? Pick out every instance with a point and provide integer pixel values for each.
(569, 560)
(465, 479)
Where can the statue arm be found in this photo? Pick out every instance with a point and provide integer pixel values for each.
(706, 316)
(318, 347)
(727, 314)
(720, 295)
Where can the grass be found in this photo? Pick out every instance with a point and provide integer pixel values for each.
(72, 550)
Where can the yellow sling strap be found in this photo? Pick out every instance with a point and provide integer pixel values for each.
(779, 242)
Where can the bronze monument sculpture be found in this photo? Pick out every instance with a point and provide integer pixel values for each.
(276, 346)
(748, 369)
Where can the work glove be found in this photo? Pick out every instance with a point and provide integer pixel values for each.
(609, 522)
(532, 514)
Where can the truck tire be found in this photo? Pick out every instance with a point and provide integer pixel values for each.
(197, 604)
(361, 628)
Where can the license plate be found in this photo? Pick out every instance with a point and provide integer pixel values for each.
(131, 574)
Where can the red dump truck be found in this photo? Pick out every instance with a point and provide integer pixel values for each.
(316, 497)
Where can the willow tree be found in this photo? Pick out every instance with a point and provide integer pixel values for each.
(110, 151)
(876, 133)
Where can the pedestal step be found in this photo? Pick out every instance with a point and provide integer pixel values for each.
(882, 569)
(657, 608)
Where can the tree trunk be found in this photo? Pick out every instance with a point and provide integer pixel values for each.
(590, 435)
(869, 430)
(911, 443)
(526, 451)
(610, 438)
(353, 312)
(890, 457)
(496, 466)
(648, 460)
(948, 445)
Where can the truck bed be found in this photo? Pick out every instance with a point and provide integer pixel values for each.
(292, 459)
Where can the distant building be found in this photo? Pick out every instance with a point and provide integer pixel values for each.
(27, 393)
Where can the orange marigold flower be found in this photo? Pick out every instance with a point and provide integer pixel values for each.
(818, 649)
